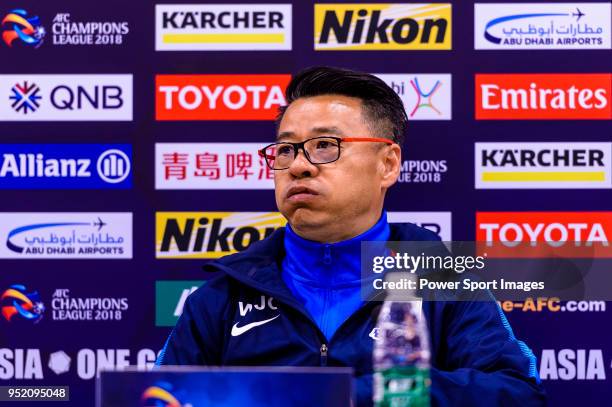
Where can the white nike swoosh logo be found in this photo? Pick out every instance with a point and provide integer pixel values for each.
(239, 330)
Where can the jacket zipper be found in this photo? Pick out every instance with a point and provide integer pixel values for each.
(326, 260)
(324, 350)
(327, 254)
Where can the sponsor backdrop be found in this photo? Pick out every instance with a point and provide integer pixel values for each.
(128, 158)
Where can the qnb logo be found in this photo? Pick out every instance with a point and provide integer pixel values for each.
(161, 395)
(25, 97)
(113, 166)
(17, 25)
(44, 97)
(424, 98)
(64, 97)
(18, 303)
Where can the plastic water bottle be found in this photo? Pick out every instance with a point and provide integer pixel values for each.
(401, 356)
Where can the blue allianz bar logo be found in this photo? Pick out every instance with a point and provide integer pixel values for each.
(65, 166)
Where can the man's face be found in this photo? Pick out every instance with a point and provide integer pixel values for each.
(338, 200)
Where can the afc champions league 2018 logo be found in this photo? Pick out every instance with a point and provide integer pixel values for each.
(16, 25)
(17, 303)
(161, 394)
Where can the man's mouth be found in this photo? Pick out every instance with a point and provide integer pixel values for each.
(300, 194)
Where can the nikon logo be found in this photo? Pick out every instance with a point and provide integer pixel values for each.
(196, 235)
(382, 26)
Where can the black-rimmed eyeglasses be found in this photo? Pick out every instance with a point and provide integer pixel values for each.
(317, 150)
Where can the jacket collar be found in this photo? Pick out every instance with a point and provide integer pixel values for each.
(260, 265)
(329, 264)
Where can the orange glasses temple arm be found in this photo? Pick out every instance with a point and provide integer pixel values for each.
(262, 154)
(374, 139)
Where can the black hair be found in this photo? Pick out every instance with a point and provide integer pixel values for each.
(382, 107)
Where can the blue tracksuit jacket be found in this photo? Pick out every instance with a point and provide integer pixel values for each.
(246, 316)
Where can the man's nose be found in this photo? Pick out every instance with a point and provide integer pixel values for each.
(301, 167)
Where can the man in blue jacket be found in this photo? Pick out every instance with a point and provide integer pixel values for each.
(294, 298)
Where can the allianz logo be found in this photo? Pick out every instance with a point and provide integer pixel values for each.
(263, 303)
(112, 166)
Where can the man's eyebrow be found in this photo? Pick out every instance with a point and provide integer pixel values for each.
(327, 130)
(284, 135)
(316, 131)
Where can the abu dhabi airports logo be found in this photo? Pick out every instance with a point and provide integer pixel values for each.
(425, 96)
(542, 26)
(18, 26)
(18, 303)
(59, 235)
(25, 97)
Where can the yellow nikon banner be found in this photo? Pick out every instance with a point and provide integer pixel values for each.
(353, 27)
(210, 235)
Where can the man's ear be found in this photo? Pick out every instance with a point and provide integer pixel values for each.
(392, 163)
